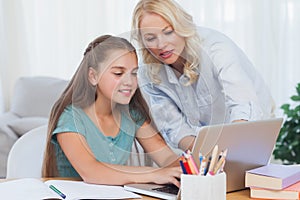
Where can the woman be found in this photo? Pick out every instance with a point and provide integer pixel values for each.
(95, 121)
(192, 77)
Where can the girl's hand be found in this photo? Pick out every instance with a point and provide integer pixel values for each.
(167, 175)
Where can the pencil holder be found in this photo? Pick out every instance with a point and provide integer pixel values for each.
(203, 187)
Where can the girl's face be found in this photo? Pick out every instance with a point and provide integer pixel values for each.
(160, 38)
(118, 82)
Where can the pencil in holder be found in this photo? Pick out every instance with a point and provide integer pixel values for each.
(203, 187)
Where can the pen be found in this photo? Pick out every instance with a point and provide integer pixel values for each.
(220, 162)
(57, 191)
(220, 155)
(207, 166)
(222, 167)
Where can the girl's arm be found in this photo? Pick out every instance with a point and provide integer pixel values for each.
(82, 159)
(155, 145)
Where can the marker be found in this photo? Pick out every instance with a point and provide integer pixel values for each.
(192, 162)
(187, 157)
(203, 166)
(200, 161)
(187, 167)
(57, 191)
(182, 167)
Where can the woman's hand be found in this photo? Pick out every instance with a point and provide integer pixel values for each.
(187, 143)
(239, 120)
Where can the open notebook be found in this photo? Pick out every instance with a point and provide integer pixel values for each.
(250, 144)
(34, 189)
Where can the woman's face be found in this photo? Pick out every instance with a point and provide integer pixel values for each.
(160, 38)
(118, 82)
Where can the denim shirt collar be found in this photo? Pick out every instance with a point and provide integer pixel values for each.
(172, 78)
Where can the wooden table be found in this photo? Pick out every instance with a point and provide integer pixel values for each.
(239, 195)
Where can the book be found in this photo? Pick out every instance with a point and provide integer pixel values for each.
(290, 192)
(273, 176)
(36, 189)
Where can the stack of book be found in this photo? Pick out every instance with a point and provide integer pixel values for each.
(274, 181)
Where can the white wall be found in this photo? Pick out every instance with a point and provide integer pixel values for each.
(48, 37)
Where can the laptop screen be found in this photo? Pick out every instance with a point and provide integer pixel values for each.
(250, 144)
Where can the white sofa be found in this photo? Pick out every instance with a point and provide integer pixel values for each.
(31, 102)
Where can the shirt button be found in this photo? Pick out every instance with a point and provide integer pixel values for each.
(111, 144)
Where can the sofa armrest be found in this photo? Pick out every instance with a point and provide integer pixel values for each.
(5, 118)
(23, 125)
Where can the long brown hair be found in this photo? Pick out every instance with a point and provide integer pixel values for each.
(81, 93)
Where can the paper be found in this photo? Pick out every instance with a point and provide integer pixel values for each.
(35, 189)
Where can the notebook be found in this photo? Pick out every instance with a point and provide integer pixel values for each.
(250, 144)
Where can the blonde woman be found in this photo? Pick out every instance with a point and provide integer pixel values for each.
(193, 76)
(95, 121)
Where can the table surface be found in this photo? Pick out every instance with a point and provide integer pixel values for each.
(238, 195)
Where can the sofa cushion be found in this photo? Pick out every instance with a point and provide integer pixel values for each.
(35, 96)
(23, 125)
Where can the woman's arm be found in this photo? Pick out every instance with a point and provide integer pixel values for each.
(241, 83)
(165, 108)
(187, 142)
(92, 171)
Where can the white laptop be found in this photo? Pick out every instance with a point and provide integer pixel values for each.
(250, 144)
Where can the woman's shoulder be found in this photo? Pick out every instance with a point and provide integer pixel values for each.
(210, 37)
(206, 32)
(215, 42)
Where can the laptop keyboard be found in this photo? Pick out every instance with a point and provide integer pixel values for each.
(171, 189)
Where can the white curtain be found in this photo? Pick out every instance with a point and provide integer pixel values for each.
(48, 37)
(267, 30)
(2, 107)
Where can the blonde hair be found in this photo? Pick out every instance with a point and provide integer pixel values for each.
(81, 93)
(183, 25)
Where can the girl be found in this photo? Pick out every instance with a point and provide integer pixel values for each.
(95, 121)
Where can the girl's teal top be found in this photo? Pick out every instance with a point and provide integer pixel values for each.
(114, 150)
